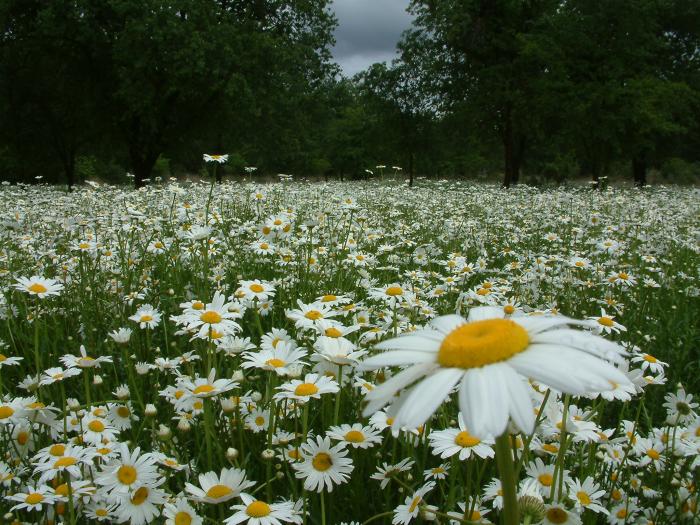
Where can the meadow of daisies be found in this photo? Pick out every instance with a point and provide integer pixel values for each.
(332, 353)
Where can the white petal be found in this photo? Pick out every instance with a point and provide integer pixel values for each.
(447, 323)
(383, 393)
(520, 404)
(397, 358)
(589, 342)
(423, 342)
(481, 313)
(427, 396)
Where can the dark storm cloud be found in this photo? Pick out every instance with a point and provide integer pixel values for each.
(368, 31)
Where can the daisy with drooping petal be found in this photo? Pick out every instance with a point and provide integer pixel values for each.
(323, 466)
(142, 506)
(39, 286)
(409, 509)
(491, 358)
(215, 488)
(55, 374)
(447, 443)
(128, 471)
(84, 360)
(257, 512)
(283, 356)
(209, 386)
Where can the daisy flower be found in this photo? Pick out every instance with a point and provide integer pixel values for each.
(84, 360)
(255, 290)
(146, 316)
(33, 498)
(55, 374)
(39, 286)
(128, 471)
(142, 506)
(221, 159)
(559, 515)
(9, 361)
(356, 435)
(280, 359)
(491, 358)
(121, 335)
(386, 472)
(409, 509)
(209, 386)
(307, 315)
(586, 495)
(323, 466)
(215, 488)
(181, 513)
(649, 362)
(313, 386)
(258, 512)
(214, 318)
(447, 443)
(606, 323)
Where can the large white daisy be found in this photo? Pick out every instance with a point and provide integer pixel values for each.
(490, 359)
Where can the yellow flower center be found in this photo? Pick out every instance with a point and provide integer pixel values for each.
(126, 474)
(580, 264)
(66, 461)
(34, 498)
(203, 389)
(606, 321)
(508, 309)
(583, 497)
(255, 287)
(210, 317)
(306, 389)
(653, 454)
(3, 358)
(62, 489)
(101, 513)
(139, 496)
(393, 291)
(22, 438)
(329, 298)
(96, 426)
(198, 305)
(258, 509)
(218, 491)
(322, 462)
(481, 343)
(465, 439)
(416, 501)
(57, 450)
(146, 318)
(557, 515)
(123, 412)
(260, 421)
(622, 513)
(475, 516)
(545, 479)
(183, 518)
(333, 332)
(355, 436)
(37, 288)
(6, 412)
(313, 315)
(274, 362)
(650, 358)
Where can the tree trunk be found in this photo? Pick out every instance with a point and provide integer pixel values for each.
(508, 155)
(639, 171)
(142, 163)
(69, 171)
(410, 170)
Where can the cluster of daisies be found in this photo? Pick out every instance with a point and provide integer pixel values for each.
(188, 353)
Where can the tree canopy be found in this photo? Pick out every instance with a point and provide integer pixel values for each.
(538, 88)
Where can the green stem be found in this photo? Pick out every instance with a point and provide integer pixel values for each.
(323, 509)
(504, 460)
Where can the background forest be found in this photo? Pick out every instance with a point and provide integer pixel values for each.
(509, 90)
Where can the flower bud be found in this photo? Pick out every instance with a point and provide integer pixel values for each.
(183, 425)
(238, 376)
(531, 506)
(164, 432)
(256, 396)
(97, 380)
(267, 454)
(150, 410)
(231, 453)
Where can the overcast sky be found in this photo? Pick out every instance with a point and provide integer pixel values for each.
(368, 31)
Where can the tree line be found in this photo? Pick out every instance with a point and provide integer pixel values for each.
(548, 89)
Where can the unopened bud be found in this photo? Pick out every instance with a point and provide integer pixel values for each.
(238, 376)
(531, 506)
(150, 410)
(231, 453)
(164, 432)
(256, 396)
(267, 454)
(279, 475)
(183, 425)
(97, 380)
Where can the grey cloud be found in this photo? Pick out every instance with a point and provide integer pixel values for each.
(368, 31)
